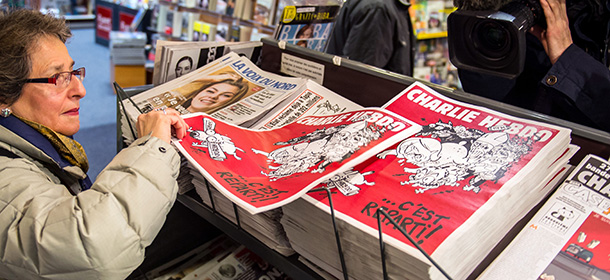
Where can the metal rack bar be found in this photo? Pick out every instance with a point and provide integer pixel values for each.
(402, 230)
(337, 238)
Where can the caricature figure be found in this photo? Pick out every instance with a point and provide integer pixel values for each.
(483, 162)
(323, 146)
(446, 132)
(218, 145)
(563, 214)
(454, 153)
(347, 182)
(326, 108)
(292, 159)
(344, 142)
(417, 151)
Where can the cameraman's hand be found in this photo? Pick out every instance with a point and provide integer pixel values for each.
(556, 38)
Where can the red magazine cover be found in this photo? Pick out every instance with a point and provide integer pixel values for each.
(587, 244)
(262, 170)
(433, 182)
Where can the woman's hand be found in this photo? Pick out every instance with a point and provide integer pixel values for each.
(556, 38)
(162, 124)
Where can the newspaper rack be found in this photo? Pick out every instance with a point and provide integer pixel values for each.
(357, 82)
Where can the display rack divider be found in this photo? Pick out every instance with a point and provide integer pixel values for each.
(370, 87)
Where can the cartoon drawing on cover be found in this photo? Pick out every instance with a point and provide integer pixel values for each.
(347, 182)
(449, 154)
(326, 108)
(436, 162)
(321, 147)
(218, 145)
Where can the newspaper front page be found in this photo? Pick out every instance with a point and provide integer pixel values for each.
(569, 237)
(230, 89)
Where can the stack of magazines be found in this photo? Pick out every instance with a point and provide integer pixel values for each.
(174, 58)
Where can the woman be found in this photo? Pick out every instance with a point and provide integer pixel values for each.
(306, 32)
(183, 66)
(55, 223)
(215, 92)
(204, 95)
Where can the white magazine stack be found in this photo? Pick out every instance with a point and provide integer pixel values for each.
(127, 48)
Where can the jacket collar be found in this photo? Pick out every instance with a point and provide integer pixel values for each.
(35, 138)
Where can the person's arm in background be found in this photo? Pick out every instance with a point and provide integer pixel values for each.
(577, 76)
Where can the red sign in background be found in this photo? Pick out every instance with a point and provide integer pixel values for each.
(104, 22)
(125, 20)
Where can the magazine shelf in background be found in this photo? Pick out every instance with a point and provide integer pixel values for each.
(177, 21)
(432, 56)
(362, 83)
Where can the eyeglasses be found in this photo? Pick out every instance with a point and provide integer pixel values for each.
(61, 79)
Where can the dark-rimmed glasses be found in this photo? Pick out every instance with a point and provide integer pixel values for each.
(61, 79)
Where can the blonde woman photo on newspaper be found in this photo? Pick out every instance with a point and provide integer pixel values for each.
(206, 95)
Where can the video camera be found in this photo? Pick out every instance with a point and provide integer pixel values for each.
(493, 42)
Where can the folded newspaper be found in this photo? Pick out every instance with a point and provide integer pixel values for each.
(261, 170)
(569, 237)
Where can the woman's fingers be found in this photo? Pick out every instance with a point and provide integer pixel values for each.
(161, 123)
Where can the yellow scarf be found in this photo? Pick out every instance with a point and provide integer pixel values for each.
(67, 147)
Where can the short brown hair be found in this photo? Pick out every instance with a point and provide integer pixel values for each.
(20, 29)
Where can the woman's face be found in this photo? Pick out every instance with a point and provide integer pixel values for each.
(213, 97)
(307, 33)
(182, 68)
(46, 104)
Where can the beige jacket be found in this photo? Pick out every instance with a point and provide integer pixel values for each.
(101, 233)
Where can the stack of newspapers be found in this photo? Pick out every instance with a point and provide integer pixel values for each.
(265, 226)
(568, 238)
(174, 59)
(257, 99)
(456, 188)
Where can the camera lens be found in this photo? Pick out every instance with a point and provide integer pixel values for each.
(491, 39)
